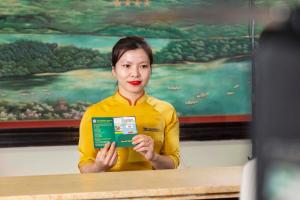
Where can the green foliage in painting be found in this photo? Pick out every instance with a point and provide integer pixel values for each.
(161, 19)
(31, 57)
(37, 110)
(203, 50)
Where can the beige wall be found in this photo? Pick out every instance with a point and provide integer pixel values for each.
(215, 153)
(63, 159)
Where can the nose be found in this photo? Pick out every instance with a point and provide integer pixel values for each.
(135, 72)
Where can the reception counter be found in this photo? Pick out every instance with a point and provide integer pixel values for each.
(192, 183)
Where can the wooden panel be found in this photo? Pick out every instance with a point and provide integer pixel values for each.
(69, 136)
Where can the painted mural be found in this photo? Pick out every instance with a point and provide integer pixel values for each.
(55, 56)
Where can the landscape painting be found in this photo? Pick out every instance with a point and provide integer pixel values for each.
(55, 56)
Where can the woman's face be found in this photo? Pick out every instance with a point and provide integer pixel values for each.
(132, 72)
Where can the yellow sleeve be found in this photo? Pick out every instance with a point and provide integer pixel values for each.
(86, 141)
(171, 142)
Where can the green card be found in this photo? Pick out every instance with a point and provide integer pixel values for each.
(113, 129)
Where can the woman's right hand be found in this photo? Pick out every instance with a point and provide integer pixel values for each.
(106, 157)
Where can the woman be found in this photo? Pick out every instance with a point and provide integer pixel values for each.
(157, 144)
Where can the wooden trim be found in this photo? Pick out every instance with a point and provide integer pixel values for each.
(39, 124)
(215, 119)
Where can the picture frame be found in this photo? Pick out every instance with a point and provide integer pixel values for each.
(218, 120)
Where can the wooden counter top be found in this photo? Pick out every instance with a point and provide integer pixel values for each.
(192, 183)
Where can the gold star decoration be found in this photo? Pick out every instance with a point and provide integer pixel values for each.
(128, 3)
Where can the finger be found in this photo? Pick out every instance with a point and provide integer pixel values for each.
(142, 149)
(138, 136)
(142, 143)
(110, 153)
(113, 158)
(141, 139)
(146, 142)
(106, 147)
(104, 150)
(137, 139)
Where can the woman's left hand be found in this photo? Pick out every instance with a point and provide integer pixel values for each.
(144, 145)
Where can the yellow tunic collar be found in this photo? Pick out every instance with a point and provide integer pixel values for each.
(126, 101)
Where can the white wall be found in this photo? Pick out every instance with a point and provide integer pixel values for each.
(215, 153)
(63, 159)
(38, 160)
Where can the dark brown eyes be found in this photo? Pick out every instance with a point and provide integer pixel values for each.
(142, 66)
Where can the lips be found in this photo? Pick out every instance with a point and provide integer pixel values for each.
(135, 82)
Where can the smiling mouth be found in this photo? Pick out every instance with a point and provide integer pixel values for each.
(135, 82)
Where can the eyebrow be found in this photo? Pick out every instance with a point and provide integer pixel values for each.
(142, 62)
